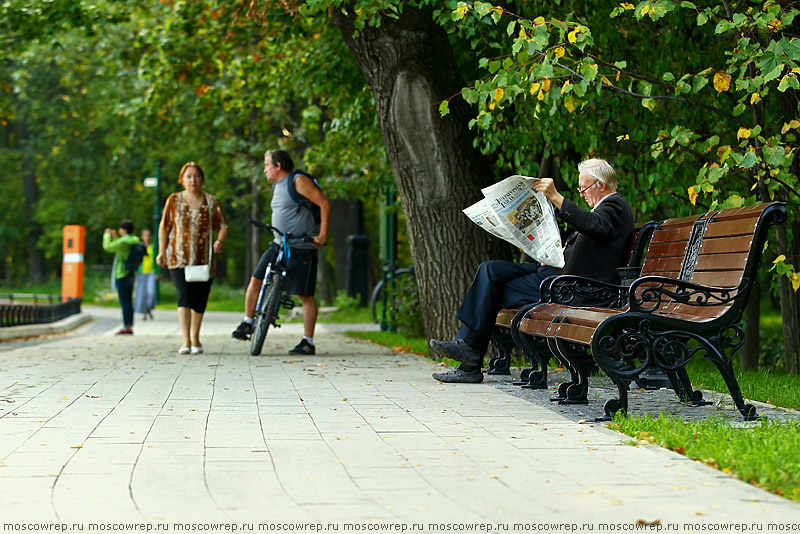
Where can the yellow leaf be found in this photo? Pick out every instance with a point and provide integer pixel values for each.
(565, 86)
(645, 9)
(569, 103)
(492, 105)
(792, 124)
(755, 98)
(692, 195)
(607, 81)
(779, 259)
(559, 52)
(546, 85)
(628, 5)
(538, 21)
(775, 25)
(722, 81)
(535, 87)
(498, 94)
(540, 96)
(795, 281)
(743, 133)
(573, 36)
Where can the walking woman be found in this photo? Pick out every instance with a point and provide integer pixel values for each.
(144, 297)
(184, 240)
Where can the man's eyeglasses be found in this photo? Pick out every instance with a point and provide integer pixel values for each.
(582, 190)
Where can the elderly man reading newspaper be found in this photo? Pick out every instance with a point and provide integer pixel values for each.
(595, 251)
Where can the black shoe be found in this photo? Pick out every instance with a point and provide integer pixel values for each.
(243, 331)
(304, 347)
(457, 350)
(459, 376)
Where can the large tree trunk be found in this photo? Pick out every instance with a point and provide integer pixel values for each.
(410, 66)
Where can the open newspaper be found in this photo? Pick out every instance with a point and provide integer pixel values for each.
(514, 211)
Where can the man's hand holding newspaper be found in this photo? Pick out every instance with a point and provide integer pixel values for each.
(514, 211)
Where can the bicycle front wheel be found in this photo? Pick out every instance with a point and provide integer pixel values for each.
(266, 316)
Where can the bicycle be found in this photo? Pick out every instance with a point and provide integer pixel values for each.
(271, 297)
(390, 275)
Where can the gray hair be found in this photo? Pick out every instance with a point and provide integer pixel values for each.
(600, 170)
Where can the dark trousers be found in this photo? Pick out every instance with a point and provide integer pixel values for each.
(125, 292)
(497, 285)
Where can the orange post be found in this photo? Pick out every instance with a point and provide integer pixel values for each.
(72, 265)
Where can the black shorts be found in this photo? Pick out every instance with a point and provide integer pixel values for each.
(301, 276)
(192, 295)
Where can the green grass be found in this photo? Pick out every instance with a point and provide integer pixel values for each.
(762, 453)
(394, 340)
(772, 386)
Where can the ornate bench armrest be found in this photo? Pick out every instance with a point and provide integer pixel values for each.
(569, 289)
(648, 293)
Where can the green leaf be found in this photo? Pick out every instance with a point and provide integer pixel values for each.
(702, 18)
(444, 108)
(788, 82)
(668, 77)
(511, 27)
(688, 4)
(649, 103)
(769, 62)
(774, 156)
(792, 49)
(621, 64)
(589, 71)
(774, 73)
(749, 160)
(698, 83)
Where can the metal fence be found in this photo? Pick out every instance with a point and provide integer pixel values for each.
(36, 309)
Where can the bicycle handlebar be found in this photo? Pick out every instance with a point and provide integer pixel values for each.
(308, 238)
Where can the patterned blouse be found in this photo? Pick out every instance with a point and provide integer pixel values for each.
(188, 239)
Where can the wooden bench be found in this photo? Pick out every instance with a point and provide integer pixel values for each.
(535, 349)
(695, 282)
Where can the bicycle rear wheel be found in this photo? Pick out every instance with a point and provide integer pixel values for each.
(266, 316)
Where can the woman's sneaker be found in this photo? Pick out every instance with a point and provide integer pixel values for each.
(304, 347)
(243, 331)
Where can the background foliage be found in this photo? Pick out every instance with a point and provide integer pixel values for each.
(696, 103)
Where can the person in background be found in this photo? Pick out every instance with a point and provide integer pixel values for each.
(144, 299)
(184, 238)
(119, 242)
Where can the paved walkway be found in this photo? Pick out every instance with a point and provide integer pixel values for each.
(122, 431)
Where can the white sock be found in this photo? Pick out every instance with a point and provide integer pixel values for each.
(309, 339)
(248, 320)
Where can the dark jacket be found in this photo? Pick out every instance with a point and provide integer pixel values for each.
(603, 239)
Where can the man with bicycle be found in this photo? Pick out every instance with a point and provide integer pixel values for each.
(292, 218)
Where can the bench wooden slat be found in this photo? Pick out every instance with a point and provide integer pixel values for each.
(575, 332)
(535, 327)
(718, 279)
(718, 245)
(721, 262)
(671, 235)
(728, 228)
(660, 265)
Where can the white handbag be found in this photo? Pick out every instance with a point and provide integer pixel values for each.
(201, 273)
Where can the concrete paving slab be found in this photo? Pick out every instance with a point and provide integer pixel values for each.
(120, 430)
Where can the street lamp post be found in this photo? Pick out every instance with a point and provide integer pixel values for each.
(155, 182)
